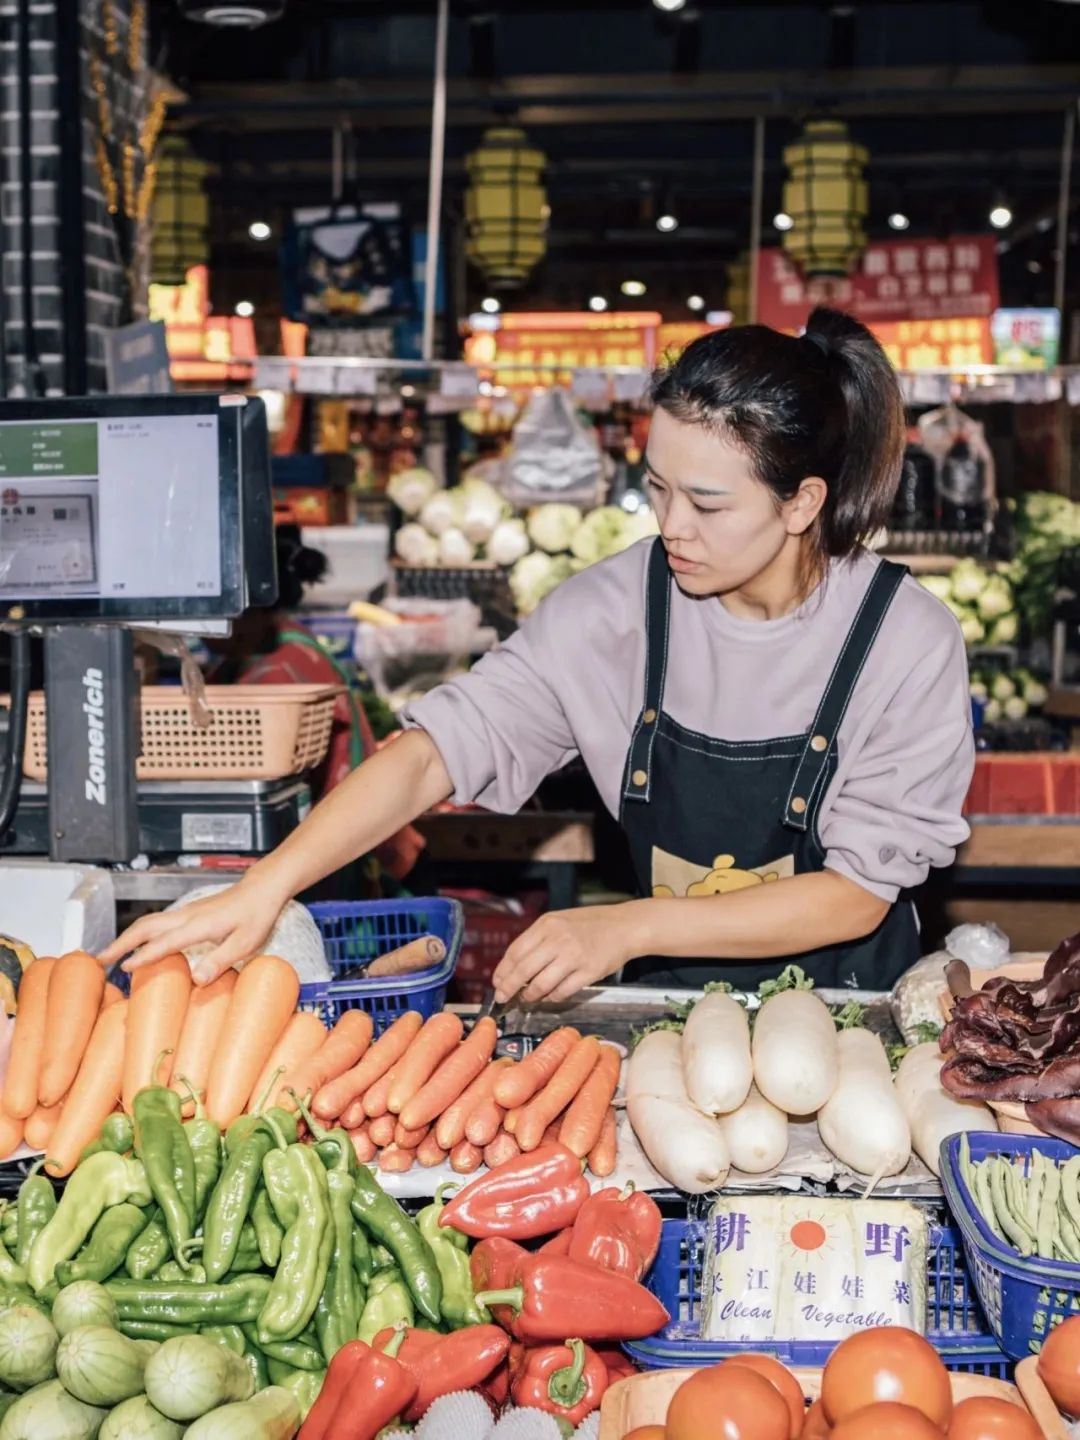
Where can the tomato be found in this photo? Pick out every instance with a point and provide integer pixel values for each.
(887, 1364)
(727, 1402)
(782, 1380)
(984, 1418)
(1059, 1365)
(815, 1426)
(885, 1422)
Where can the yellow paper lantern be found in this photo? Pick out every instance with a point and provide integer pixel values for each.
(738, 289)
(826, 197)
(181, 213)
(506, 210)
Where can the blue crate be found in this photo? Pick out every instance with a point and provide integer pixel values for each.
(955, 1326)
(357, 932)
(1023, 1298)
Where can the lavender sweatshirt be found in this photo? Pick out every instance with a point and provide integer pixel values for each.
(569, 683)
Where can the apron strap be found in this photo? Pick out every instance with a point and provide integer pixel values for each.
(638, 778)
(813, 766)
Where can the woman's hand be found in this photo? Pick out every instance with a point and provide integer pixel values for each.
(237, 922)
(566, 950)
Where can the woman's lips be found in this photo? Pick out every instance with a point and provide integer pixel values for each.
(683, 567)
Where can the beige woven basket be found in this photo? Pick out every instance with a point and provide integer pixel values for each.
(256, 732)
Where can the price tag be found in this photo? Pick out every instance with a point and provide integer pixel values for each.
(630, 387)
(356, 380)
(316, 379)
(929, 389)
(591, 388)
(1031, 389)
(273, 372)
(459, 382)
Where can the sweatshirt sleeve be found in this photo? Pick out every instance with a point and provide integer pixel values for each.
(897, 809)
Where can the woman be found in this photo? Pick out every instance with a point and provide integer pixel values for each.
(780, 720)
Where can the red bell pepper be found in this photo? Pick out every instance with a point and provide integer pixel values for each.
(370, 1389)
(618, 1230)
(343, 1367)
(494, 1264)
(522, 1199)
(441, 1364)
(497, 1387)
(568, 1381)
(619, 1365)
(558, 1244)
(550, 1296)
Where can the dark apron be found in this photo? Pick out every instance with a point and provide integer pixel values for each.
(706, 817)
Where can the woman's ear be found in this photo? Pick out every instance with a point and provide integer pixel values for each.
(805, 506)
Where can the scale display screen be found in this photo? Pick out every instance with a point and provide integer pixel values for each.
(122, 507)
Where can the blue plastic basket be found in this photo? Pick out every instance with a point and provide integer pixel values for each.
(955, 1323)
(355, 933)
(1023, 1298)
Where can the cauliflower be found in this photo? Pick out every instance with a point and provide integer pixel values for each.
(455, 548)
(1015, 708)
(551, 527)
(439, 513)
(1004, 630)
(508, 542)
(415, 546)
(992, 712)
(1035, 694)
(972, 629)
(1003, 688)
(967, 581)
(599, 534)
(482, 507)
(938, 585)
(995, 600)
(639, 526)
(409, 489)
(536, 575)
(978, 691)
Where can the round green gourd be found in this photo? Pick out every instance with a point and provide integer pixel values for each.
(189, 1376)
(48, 1412)
(100, 1366)
(136, 1419)
(28, 1342)
(273, 1414)
(84, 1303)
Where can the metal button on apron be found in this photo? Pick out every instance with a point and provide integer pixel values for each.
(639, 777)
(819, 743)
(649, 717)
(798, 805)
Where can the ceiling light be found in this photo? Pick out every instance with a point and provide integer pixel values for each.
(633, 288)
(899, 221)
(259, 230)
(783, 221)
(696, 302)
(667, 223)
(597, 303)
(234, 14)
(490, 305)
(1001, 217)
(245, 309)
(1035, 267)
(670, 6)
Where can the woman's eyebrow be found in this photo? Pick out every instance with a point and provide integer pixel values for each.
(690, 489)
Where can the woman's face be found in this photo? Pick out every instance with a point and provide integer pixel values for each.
(721, 527)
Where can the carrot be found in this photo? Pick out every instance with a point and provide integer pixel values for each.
(504, 1147)
(450, 1127)
(584, 1120)
(340, 1050)
(40, 1125)
(376, 1100)
(159, 1000)
(484, 1123)
(204, 1021)
(563, 1086)
(604, 1153)
(11, 1132)
(551, 1134)
(429, 1152)
(465, 1157)
(536, 1069)
(94, 1095)
(419, 954)
(354, 1116)
(302, 1036)
(335, 1097)
(261, 1005)
(409, 1139)
(111, 994)
(510, 1120)
(27, 1042)
(363, 1146)
(395, 1161)
(439, 1036)
(381, 1130)
(458, 1070)
(73, 1004)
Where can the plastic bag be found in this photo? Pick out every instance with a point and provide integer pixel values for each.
(984, 947)
(553, 456)
(295, 937)
(916, 996)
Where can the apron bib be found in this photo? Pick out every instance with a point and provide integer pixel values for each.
(706, 816)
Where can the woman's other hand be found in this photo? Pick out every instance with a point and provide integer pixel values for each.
(566, 950)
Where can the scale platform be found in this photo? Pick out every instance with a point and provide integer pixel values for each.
(184, 817)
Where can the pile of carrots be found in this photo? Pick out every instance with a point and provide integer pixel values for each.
(425, 1092)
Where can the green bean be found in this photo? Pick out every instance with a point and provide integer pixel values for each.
(1018, 1196)
(1016, 1232)
(1035, 1183)
(984, 1199)
(1047, 1209)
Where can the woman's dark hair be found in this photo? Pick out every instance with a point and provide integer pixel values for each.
(297, 565)
(827, 403)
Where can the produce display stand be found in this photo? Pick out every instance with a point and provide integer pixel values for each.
(1042, 850)
(545, 846)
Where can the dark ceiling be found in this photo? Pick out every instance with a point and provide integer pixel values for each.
(959, 104)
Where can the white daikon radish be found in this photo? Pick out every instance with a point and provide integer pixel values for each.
(794, 1051)
(862, 1121)
(685, 1146)
(756, 1133)
(932, 1113)
(716, 1055)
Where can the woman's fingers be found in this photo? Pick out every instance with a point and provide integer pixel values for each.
(550, 979)
(140, 933)
(239, 947)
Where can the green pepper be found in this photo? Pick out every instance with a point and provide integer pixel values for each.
(450, 1248)
(233, 1195)
(36, 1207)
(204, 1137)
(103, 1180)
(381, 1259)
(382, 1216)
(231, 1303)
(153, 1330)
(116, 1135)
(173, 1274)
(162, 1145)
(109, 1242)
(333, 1147)
(306, 1249)
(13, 1296)
(388, 1303)
(248, 1255)
(234, 1339)
(9, 1227)
(305, 1385)
(268, 1233)
(361, 1255)
(149, 1251)
(303, 1353)
(278, 1178)
(337, 1315)
(11, 1273)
